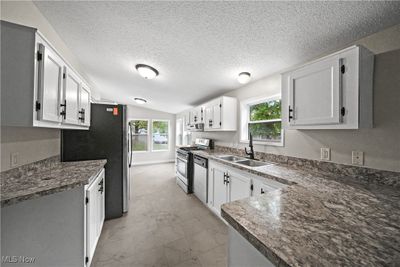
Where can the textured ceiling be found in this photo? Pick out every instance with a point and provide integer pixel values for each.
(200, 47)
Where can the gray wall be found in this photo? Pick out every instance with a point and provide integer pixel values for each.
(381, 144)
(135, 112)
(32, 144)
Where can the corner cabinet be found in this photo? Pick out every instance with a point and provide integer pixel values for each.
(334, 92)
(39, 88)
(226, 184)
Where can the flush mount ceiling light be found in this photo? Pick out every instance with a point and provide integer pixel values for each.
(244, 77)
(140, 101)
(146, 71)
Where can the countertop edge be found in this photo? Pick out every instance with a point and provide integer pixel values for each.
(33, 195)
(257, 244)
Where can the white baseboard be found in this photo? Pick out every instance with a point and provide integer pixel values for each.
(153, 162)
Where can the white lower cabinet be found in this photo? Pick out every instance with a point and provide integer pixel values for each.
(95, 197)
(262, 185)
(226, 184)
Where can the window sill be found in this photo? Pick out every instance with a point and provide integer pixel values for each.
(140, 152)
(264, 143)
(164, 150)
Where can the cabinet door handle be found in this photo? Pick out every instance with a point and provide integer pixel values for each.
(63, 113)
(82, 118)
(290, 113)
(262, 191)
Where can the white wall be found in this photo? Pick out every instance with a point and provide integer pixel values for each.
(135, 112)
(32, 144)
(381, 144)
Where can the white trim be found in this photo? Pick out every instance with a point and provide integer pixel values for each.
(148, 135)
(169, 135)
(244, 119)
(153, 162)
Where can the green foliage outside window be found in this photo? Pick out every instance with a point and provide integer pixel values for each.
(262, 131)
(140, 131)
(266, 111)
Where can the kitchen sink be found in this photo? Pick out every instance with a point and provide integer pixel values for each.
(231, 158)
(244, 161)
(252, 163)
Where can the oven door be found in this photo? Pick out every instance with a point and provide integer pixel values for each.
(182, 168)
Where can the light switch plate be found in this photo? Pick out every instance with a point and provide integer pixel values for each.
(357, 157)
(14, 159)
(325, 153)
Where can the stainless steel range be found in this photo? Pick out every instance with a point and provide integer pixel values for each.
(184, 163)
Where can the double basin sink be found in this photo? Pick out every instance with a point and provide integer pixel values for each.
(244, 161)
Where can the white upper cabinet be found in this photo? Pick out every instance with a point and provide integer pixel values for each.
(71, 97)
(220, 114)
(84, 105)
(334, 92)
(39, 88)
(51, 69)
(315, 93)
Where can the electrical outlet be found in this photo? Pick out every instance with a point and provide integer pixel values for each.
(14, 159)
(325, 153)
(357, 157)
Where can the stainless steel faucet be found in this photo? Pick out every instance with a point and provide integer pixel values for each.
(251, 153)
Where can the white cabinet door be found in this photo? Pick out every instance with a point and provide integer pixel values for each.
(219, 191)
(315, 93)
(50, 84)
(101, 203)
(84, 106)
(71, 97)
(92, 218)
(208, 117)
(216, 121)
(95, 212)
(260, 188)
(239, 186)
(186, 117)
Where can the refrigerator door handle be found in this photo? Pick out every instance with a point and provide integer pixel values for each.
(130, 144)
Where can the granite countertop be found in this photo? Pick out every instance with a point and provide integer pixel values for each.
(320, 219)
(28, 183)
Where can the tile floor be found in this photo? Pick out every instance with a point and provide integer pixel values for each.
(164, 226)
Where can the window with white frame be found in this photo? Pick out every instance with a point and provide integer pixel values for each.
(160, 138)
(261, 118)
(140, 135)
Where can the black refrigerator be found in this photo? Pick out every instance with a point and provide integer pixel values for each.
(107, 138)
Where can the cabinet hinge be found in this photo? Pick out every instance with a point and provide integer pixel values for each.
(342, 69)
(342, 111)
(37, 106)
(86, 259)
(220, 105)
(39, 56)
(251, 187)
(220, 123)
(86, 200)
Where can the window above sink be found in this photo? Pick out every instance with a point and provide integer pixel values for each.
(262, 118)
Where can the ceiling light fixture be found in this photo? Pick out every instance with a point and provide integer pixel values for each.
(146, 71)
(140, 101)
(244, 77)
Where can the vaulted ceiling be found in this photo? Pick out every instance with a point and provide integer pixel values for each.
(200, 47)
